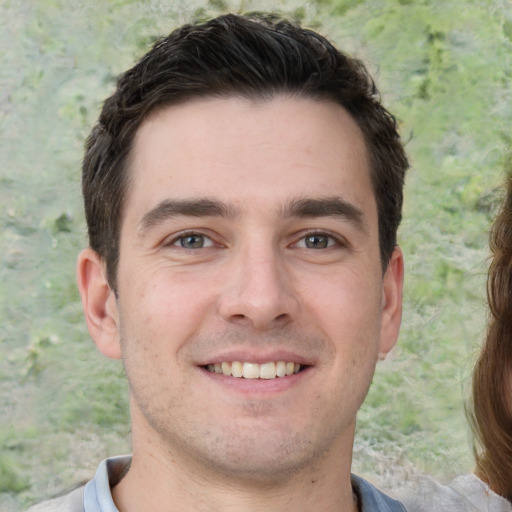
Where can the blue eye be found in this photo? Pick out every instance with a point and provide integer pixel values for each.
(317, 241)
(193, 241)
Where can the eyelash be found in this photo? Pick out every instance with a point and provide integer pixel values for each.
(333, 240)
(336, 239)
(175, 239)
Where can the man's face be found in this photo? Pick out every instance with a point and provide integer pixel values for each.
(249, 243)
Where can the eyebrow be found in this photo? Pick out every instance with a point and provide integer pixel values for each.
(169, 209)
(305, 207)
(333, 206)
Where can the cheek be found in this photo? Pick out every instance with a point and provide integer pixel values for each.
(163, 310)
(348, 311)
(347, 302)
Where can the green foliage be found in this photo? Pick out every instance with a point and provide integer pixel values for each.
(10, 479)
(218, 4)
(445, 69)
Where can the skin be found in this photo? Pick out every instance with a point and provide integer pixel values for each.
(277, 200)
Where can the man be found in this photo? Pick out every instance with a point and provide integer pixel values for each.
(243, 188)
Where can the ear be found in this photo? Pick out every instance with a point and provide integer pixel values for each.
(392, 292)
(99, 303)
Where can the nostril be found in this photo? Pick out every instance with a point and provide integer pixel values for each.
(240, 319)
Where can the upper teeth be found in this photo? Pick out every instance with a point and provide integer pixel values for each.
(269, 370)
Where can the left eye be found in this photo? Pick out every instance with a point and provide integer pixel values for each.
(193, 241)
(317, 241)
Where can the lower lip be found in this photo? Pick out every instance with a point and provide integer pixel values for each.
(258, 386)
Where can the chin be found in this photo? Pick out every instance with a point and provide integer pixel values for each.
(264, 459)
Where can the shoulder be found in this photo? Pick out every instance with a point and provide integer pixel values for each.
(371, 499)
(466, 493)
(95, 495)
(71, 502)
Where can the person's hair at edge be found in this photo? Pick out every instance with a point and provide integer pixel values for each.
(491, 408)
(257, 57)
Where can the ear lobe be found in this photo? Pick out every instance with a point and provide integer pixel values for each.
(392, 294)
(99, 303)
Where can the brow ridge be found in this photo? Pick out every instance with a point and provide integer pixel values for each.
(332, 206)
(170, 208)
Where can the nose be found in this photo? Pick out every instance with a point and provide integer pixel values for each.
(258, 291)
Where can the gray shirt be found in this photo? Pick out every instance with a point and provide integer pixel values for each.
(466, 493)
(95, 496)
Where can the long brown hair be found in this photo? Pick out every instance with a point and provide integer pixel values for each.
(491, 414)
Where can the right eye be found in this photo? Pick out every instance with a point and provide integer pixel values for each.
(193, 241)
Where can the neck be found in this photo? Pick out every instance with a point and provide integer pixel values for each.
(163, 482)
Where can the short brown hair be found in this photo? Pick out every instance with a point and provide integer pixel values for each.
(253, 56)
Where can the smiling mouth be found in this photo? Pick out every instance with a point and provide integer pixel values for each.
(245, 370)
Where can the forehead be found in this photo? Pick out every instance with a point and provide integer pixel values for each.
(247, 152)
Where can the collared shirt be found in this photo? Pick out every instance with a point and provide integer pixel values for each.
(96, 496)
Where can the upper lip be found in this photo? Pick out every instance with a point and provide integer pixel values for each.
(256, 356)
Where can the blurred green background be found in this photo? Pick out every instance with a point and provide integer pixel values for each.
(443, 67)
